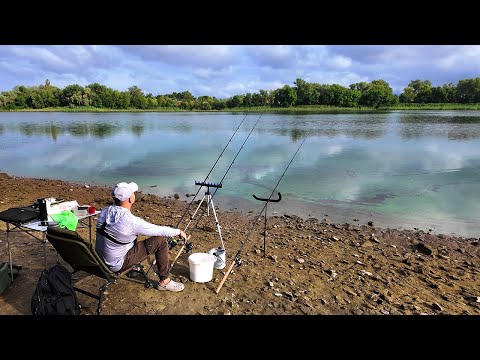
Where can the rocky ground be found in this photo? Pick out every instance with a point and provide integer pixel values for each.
(311, 266)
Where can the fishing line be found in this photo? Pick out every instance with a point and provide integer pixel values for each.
(185, 243)
(237, 255)
(203, 184)
(206, 178)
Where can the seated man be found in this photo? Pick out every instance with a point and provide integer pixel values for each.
(117, 231)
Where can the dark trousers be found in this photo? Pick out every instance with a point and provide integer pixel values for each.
(140, 251)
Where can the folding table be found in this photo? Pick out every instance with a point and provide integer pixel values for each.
(34, 227)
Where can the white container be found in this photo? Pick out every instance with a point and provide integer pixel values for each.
(201, 267)
(219, 253)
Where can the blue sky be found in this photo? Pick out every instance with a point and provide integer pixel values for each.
(226, 70)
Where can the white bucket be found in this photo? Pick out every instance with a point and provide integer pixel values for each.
(201, 266)
(220, 255)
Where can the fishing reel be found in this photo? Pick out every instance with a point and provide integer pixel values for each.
(188, 247)
(172, 243)
(238, 262)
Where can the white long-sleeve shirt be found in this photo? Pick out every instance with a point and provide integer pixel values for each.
(124, 227)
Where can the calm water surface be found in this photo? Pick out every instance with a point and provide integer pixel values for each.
(401, 169)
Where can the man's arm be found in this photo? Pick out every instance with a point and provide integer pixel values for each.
(142, 227)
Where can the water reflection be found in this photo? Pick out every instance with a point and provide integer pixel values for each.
(454, 127)
(100, 130)
(138, 128)
(30, 129)
(77, 129)
(296, 128)
(362, 126)
(104, 129)
(350, 162)
(54, 132)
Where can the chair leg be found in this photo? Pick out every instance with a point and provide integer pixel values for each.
(148, 283)
(101, 291)
(100, 297)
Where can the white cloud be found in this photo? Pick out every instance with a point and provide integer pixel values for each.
(209, 73)
(340, 61)
(334, 149)
(41, 55)
(215, 56)
(274, 56)
(226, 70)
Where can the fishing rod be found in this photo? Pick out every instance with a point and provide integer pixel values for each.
(206, 177)
(186, 243)
(170, 241)
(236, 259)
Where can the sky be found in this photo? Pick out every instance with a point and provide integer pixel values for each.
(226, 70)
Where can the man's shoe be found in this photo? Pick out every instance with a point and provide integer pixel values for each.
(171, 286)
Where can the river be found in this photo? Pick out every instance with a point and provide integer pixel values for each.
(401, 169)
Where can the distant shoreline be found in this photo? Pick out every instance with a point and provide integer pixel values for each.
(296, 109)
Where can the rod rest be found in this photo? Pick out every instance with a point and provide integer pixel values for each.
(203, 183)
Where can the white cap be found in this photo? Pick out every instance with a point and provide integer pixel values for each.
(122, 191)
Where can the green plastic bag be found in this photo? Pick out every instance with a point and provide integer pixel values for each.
(66, 219)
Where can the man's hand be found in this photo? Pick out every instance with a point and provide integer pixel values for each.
(183, 235)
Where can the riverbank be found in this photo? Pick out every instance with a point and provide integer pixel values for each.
(311, 266)
(305, 109)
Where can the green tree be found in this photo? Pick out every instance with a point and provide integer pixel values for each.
(265, 97)
(37, 100)
(408, 95)
(219, 104)
(72, 95)
(247, 100)
(468, 91)
(120, 100)
(166, 101)
(338, 95)
(100, 96)
(438, 95)
(183, 96)
(424, 93)
(351, 98)
(323, 91)
(152, 103)
(417, 91)
(306, 92)
(285, 97)
(361, 86)
(7, 100)
(23, 97)
(235, 101)
(378, 94)
(137, 98)
(256, 99)
(50, 95)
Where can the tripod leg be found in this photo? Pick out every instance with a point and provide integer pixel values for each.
(198, 207)
(217, 223)
(209, 199)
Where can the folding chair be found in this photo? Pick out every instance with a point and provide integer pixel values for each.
(81, 256)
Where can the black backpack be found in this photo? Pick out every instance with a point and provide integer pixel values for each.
(54, 294)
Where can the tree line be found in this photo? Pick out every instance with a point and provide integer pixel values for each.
(375, 94)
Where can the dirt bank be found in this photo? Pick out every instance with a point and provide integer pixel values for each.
(312, 267)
